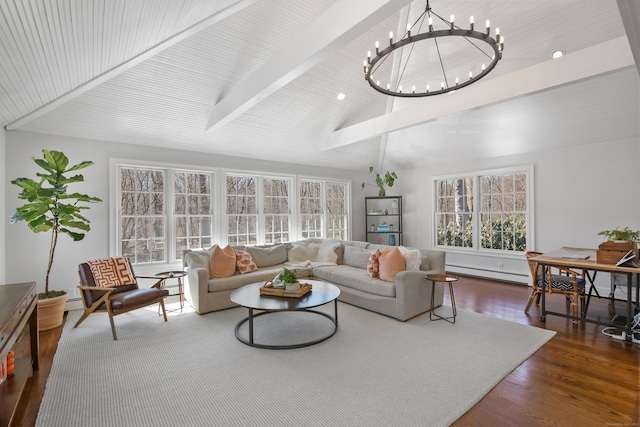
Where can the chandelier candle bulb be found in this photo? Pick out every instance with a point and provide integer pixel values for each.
(452, 21)
(413, 89)
(471, 23)
(400, 89)
(457, 81)
(488, 28)
(470, 75)
(369, 56)
(390, 37)
(377, 47)
(408, 30)
(431, 25)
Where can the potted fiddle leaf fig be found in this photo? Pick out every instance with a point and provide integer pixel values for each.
(381, 180)
(51, 208)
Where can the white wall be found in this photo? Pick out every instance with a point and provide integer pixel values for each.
(28, 252)
(579, 191)
(4, 219)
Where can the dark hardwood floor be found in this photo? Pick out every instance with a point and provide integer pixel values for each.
(579, 378)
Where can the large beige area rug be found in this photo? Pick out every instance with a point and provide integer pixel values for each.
(192, 371)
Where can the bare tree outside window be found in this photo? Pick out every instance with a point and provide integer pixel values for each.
(242, 213)
(193, 210)
(503, 211)
(142, 214)
(311, 214)
(277, 215)
(337, 210)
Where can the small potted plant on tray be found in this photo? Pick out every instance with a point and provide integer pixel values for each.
(289, 278)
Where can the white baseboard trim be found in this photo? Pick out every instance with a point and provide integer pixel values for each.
(489, 274)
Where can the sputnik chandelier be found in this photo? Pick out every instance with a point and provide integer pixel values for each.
(487, 50)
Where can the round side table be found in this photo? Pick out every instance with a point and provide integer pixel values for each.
(173, 275)
(448, 279)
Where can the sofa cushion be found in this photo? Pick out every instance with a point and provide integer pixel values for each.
(268, 255)
(244, 262)
(373, 264)
(412, 258)
(314, 251)
(355, 256)
(222, 262)
(355, 278)
(198, 258)
(391, 263)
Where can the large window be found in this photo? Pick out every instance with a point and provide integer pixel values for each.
(242, 211)
(275, 205)
(485, 210)
(193, 210)
(323, 209)
(143, 216)
(163, 210)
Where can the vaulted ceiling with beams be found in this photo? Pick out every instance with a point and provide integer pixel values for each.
(260, 78)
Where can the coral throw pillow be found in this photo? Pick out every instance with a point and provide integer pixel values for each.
(109, 272)
(244, 262)
(222, 262)
(391, 263)
(373, 265)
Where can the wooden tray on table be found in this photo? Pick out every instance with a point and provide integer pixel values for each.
(268, 289)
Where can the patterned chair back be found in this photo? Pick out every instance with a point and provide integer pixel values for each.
(87, 279)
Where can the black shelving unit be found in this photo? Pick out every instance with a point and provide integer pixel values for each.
(381, 211)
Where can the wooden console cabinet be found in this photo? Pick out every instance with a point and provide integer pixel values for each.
(18, 308)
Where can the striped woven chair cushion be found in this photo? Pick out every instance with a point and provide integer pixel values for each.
(562, 283)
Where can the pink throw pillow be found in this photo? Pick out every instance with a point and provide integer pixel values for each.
(222, 262)
(373, 265)
(244, 262)
(391, 263)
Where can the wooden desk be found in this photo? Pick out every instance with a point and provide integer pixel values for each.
(585, 259)
(18, 306)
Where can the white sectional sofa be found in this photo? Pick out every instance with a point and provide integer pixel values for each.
(343, 263)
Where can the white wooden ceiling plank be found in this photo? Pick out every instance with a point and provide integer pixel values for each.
(340, 24)
(35, 49)
(630, 13)
(233, 6)
(130, 44)
(13, 40)
(613, 55)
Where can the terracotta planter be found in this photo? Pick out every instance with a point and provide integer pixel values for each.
(51, 312)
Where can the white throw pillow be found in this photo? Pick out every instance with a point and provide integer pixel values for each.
(412, 258)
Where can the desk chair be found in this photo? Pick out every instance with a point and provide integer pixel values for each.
(563, 281)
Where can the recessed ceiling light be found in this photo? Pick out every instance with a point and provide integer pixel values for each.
(557, 54)
(341, 96)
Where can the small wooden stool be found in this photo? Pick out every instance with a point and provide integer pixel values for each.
(444, 278)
